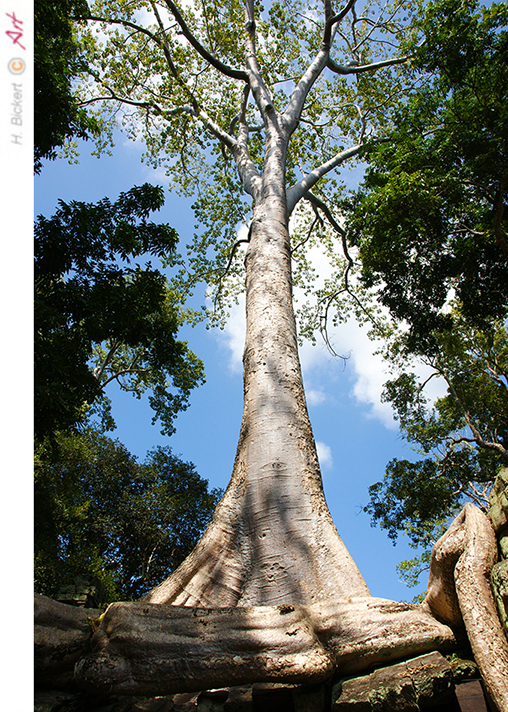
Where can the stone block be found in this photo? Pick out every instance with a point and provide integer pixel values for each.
(498, 500)
(421, 683)
(499, 583)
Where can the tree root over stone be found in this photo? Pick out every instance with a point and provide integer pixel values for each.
(459, 590)
(146, 649)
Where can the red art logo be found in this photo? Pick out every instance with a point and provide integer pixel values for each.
(17, 33)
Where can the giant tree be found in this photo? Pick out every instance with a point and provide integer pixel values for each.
(261, 106)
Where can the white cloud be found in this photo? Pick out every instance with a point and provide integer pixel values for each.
(324, 455)
(315, 396)
(233, 335)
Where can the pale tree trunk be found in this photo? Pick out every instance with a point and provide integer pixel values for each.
(272, 539)
(270, 593)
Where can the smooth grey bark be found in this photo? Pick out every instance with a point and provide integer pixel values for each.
(272, 539)
(150, 649)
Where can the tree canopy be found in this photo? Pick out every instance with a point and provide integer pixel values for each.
(58, 116)
(431, 217)
(429, 223)
(103, 313)
(100, 513)
(200, 92)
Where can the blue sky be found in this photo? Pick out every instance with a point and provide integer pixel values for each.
(356, 435)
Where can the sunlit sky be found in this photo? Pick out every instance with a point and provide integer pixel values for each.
(355, 434)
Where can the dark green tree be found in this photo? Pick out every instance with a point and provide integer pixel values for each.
(431, 216)
(430, 226)
(58, 115)
(462, 436)
(103, 313)
(100, 513)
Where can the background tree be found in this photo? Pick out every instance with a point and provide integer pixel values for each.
(430, 224)
(461, 437)
(99, 317)
(102, 514)
(431, 217)
(57, 60)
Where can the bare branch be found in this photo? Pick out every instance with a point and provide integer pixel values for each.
(299, 190)
(207, 56)
(320, 205)
(352, 68)
(230, 262)
(316, 220)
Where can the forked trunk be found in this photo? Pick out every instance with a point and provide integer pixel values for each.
(272, 539)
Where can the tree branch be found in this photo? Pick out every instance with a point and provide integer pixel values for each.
(260, 91)
(319, 204)
(352, 68)
(291, 115)
(207, 56)
(246, 167)
(196, 109)
(126, 23)
(332, 20)
(299, 190)
(230, 261)
(99, 370)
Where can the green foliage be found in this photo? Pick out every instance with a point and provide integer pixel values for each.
(463, 435)
(430, 226)
(57, 60)
(151, 80)
(431, 217)
(101, 513)
(100, 317)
